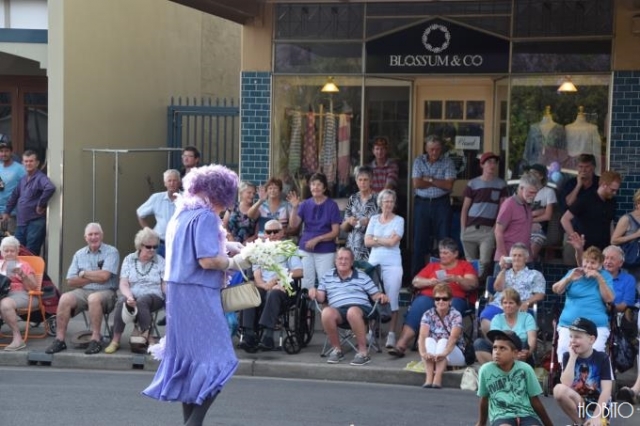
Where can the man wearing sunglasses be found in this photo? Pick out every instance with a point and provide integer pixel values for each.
(93, 276)
(273, 296)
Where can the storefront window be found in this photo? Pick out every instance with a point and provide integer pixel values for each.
(318, 58)
(552, 128)
(315, 131)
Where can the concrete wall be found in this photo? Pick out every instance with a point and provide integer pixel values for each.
(113, 67)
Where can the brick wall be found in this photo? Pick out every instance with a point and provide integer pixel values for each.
(625, 135)
(255, 119)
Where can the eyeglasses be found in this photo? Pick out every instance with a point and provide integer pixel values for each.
(441, 299)
(150, 247)
(271, 231)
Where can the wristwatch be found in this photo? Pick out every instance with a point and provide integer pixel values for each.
(375, 239)
(430, 179)
(81, 274)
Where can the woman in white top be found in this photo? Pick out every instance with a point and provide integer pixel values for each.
(383, 235)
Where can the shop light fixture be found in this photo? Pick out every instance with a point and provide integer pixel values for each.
(330, 86)
(567, 86)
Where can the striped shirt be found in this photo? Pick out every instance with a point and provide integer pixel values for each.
(443, 168)
(354, 290)
(485, 200)
(384, 175)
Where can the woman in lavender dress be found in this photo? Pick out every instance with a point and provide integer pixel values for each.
(198, 357)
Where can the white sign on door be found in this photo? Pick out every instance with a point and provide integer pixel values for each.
(468, 142)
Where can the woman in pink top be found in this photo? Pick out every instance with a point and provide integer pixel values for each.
(23, 280)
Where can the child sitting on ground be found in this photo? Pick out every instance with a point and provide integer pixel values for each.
(508, 389)
(587, 377)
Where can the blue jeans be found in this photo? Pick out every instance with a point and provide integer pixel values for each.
(32, 234)
(432, 219)
(422, 304)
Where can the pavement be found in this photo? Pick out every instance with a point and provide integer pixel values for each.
(307, 364)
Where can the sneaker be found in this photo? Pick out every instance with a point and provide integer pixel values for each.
(266, 344)
(94, 347)
(249, 343)
(56, 346)
(627, 395)
(361, 359)
(335, 356)
(391, 340)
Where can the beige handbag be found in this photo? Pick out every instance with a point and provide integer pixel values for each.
(240, 296)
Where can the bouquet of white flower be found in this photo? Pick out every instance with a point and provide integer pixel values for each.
(269, 255)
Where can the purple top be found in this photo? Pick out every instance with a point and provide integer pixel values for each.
(191, 245)
(31, 192)
(317, 219)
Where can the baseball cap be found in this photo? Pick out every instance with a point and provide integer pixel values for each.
(488, 155)
(506, 335)
(538, 168)
(5, 144)
(584, 325)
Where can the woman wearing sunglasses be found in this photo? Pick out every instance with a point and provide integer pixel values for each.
(440, 341)
(142, 288)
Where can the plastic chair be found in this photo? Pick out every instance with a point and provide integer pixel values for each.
(38, 265)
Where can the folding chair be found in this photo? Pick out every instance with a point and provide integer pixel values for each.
(38, 266)
(344, 330)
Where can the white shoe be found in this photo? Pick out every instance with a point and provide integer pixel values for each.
(391, 340)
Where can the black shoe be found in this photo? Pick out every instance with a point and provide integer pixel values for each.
(266, 344)
(249, 343)
(94, 347)
(56, 346)
(627, 395)
(162, 322)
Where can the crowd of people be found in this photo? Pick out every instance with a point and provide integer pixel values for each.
(503, 234)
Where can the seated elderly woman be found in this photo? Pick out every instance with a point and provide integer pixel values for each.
(141, 288)
(457, 274)
(515, 319)
(23, 280)
(440, 342)
(588, 290)
(529, 283)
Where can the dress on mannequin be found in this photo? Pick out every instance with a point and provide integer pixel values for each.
(583, 138)
(546, 142)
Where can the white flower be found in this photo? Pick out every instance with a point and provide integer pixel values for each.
(268, 255)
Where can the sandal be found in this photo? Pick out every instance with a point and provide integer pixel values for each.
(112, 348)
(397, 352)
(94, 347)
(15, 347)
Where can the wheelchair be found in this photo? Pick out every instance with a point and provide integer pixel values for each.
(296, 322)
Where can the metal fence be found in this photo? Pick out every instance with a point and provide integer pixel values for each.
(212, 126)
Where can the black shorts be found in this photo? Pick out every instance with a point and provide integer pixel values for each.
(520, 421)
(366, 311)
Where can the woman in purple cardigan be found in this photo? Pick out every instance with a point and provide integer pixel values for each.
(320, 219)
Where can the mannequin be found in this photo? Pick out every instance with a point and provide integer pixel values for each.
(546, 141)
(583, 138)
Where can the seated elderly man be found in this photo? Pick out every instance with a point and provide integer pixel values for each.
(94, 276)
(347, 292)
(272, 293)
(624, 285)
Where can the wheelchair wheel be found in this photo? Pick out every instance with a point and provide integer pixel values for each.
(291, 345)
(305, 322)
(51, 326)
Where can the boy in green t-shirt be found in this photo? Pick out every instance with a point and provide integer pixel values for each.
(508, 388)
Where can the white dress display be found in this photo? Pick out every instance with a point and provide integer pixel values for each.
(583, 138)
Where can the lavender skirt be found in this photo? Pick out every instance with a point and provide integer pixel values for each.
(198, 357)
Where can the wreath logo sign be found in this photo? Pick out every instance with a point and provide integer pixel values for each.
(436, 49)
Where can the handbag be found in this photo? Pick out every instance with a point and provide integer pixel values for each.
(469, 379)
(623, 350)
(632, 248)
(239, 297)
(384, 312)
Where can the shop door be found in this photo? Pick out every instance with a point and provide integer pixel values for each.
(462, 114)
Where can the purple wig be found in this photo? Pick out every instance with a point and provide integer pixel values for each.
(208, 186)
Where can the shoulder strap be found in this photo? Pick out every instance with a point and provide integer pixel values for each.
(442, 322)
(634, 220)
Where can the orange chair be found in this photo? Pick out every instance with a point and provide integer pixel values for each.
(37, 263)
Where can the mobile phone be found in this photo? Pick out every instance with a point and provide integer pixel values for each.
(508, 259)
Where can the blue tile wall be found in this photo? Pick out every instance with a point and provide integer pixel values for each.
(255, 122)
(625, 135)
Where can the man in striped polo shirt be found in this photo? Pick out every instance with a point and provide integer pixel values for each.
(348, 293)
